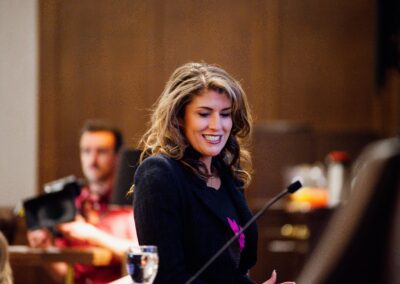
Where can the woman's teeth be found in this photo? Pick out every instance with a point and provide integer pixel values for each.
(212, 138)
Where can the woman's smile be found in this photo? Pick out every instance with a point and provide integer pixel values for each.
(214, 139)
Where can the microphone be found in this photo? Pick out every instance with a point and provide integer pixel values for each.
(292, 188)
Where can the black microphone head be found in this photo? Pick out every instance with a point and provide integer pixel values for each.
(293, 187)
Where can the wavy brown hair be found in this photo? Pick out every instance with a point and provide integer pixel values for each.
(166, 136)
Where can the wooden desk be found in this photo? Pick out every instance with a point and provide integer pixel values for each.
(285, 241)
(24, 255)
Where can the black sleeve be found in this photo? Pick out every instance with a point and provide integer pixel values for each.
(158, 215)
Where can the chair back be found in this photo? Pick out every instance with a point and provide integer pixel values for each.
(127, 164)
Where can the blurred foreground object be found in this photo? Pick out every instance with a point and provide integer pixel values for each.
(5, 269)
(361, 243)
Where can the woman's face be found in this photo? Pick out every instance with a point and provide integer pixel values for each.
(208, 123)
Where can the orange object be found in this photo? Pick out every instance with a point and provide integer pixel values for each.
(309, 198)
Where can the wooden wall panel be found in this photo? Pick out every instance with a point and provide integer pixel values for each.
(111, 62)
(387, 105)
(307, 61)
(264, 71)
(327, 59)
(101, 71)
(48, 55)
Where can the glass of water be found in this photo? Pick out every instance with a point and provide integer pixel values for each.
(142, 264)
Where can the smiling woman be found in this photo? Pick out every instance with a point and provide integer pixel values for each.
(206, 93)
(188, 193)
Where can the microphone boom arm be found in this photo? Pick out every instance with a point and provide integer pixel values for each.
(289, 190)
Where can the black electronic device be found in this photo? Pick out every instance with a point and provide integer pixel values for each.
(50, 209)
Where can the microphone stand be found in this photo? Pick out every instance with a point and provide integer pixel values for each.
(289, 190)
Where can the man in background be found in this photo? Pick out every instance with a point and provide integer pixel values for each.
(98, 223)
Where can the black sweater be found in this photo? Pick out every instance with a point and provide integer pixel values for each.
(174, 212)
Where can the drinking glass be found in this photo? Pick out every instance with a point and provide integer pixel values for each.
(142, 264)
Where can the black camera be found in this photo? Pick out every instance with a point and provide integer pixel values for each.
(55, 207)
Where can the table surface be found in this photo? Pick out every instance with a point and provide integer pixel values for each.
(84, 255)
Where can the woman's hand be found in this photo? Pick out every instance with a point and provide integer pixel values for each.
(272, 279)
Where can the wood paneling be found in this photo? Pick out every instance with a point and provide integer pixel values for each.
(327, 59)
(48, 79)
(306, 61)
(387, 104)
